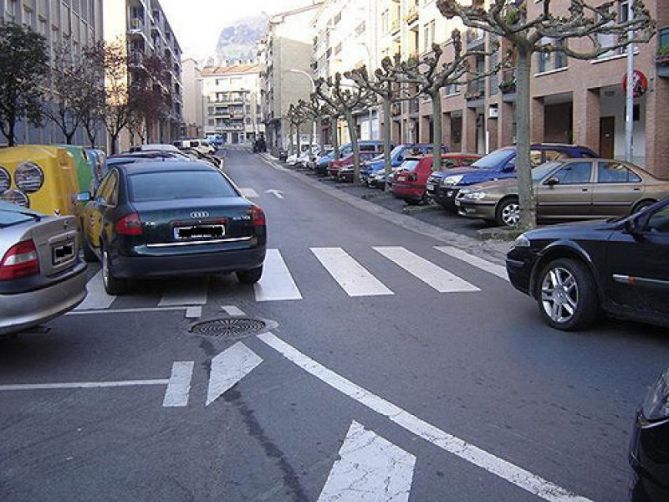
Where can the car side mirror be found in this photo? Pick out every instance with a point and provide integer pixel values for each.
(84, 197)
(552, 181)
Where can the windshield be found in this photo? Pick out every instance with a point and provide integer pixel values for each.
(495, 160)
(539, 172)
(409, 165)
(175, 185)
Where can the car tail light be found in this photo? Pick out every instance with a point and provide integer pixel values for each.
(258, 217)
(129, 225)
(19, 261)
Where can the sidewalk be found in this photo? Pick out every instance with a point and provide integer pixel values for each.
(385, 206)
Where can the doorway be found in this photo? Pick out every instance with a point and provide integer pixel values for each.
(607, 136)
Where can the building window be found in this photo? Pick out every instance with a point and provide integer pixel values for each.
(385, 21)
(609, 40)
(336, 19)
(10, 9)
(361, 28)
(549, 61)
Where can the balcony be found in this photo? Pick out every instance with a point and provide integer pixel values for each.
(136, 58)
(136, 26)
(395, 26)
(475, 90)
(414, 106)
(508, 83)
(412, 15)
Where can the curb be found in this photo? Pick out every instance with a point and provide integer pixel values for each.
(491, 251)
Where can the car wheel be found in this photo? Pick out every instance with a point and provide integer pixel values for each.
(508, 213)
(113, 285)
(641, 206)
(567, 295)
(89, 255)
(250, 276)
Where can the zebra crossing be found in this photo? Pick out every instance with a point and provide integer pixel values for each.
(279, 284)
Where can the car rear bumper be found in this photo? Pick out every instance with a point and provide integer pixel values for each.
(193, 264)
(22, 311)
(408, 192)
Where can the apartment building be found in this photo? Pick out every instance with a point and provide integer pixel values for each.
(79, 22)
(232, 98)
(144, 28)
(572, 101)
(346, 36)
(286, 54)
(194, 101)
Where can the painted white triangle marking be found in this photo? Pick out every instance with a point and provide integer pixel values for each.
(369, 468)
(97, 298)
(432, 275)
(228, 368)
(192, 292)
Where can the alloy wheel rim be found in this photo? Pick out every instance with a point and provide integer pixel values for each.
(511, 214)
(559, 295)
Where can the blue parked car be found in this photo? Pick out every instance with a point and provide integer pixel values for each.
(397, 156)
(322, 164)
(443, 187)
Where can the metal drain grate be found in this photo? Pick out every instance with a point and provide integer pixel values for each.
(232, 327)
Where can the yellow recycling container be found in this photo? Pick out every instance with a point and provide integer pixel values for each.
(43, 178)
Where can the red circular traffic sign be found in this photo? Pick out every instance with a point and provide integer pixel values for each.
(639, 84)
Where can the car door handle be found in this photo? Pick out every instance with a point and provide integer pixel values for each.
(636, 189)
(585, 189)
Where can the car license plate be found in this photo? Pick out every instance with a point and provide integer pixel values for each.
(430, 186)
(62, 253)
(458, 203)
(199, 232)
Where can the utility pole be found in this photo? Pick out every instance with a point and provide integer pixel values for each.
(629, 91)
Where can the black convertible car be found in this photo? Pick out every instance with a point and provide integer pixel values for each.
(620, 266)
(159, 219)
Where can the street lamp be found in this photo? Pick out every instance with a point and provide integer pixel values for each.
(313, 89)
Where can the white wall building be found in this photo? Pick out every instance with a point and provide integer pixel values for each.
(194, 101)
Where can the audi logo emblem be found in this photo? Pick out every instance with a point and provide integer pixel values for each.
(199, 214)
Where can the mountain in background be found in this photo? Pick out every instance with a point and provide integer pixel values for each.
(238, 42)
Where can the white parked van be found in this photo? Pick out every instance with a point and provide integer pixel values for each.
(201, 145)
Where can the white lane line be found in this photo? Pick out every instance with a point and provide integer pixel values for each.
(276, 284)
(192, 292)
(228, 368)
(233, 311)
(249, 193)
(351, 276)
(485, 265)
(506, 470)
(84, 385)
(178, 388)
(369, 468)
(97, 297)
(126, 311)
(432, 275)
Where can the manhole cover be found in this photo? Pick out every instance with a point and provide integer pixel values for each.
(231, 327)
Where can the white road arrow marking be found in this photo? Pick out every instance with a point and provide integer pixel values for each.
(369, 468)
(277, 193)
(228, 368)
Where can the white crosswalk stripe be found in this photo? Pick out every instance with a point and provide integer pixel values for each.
(276, 284)
(191, 292)
(97, 298)
(432, 275)
(493, 268)
(351, 276)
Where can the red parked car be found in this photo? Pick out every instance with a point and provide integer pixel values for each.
(410, 180)
(335, 168)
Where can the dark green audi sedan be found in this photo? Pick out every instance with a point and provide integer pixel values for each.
(163, 219)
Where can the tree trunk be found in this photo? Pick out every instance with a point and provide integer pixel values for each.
(528, 209)
(11, 138)
(353, 132)
(387, 133)
(292, 144)
(114, 142)
(299, 140)
(335, 136)
(436, 132)
(69, 137)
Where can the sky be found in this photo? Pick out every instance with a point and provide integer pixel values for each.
(198, 23)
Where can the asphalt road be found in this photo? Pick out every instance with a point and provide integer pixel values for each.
(389, 371)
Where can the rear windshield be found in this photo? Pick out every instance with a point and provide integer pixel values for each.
(146, 187)
(409, 165)
(10, 216)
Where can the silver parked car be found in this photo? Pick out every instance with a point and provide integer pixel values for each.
(41, 274)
